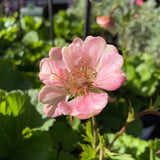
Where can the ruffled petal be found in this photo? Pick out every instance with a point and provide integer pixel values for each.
(94, 49)
(51, 96)
(52, 111)
(51, 73)
(73, 55)
(110, 63)
(109, 73)
(86, 106)
(55, 54)
(78, 42)
(43, 61)
(110, 49)
(110, 81)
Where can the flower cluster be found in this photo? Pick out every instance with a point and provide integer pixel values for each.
(76, 76)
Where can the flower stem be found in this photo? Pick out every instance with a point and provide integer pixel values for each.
(120, 132)
(127, 123)
(146, 112)
(94, 132)
(101, 154)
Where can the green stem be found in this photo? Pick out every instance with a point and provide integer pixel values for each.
(95, 135)
(119, 133)
(127, 123)
(146, 112)
(94, 132)
(152, 157)
(101, 154)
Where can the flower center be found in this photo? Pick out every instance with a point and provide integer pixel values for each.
(80, 81)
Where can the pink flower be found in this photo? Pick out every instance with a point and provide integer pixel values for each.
(106, 21)
(75, 77)
(139, 2)
(136, 15)
(158, 151)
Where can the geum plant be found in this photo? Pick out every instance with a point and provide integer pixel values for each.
(75, 79)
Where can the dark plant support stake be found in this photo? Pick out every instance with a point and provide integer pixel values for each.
(50, 13)
(86, 19)
(10, 5)
(18, 19)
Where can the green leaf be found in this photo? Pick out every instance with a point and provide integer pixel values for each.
(136, 124)
(12, 79)
(130, 72)
(3, 107)
(157, 102)
(88, 152)
(15, 101)
(154, 146)
(141, 69)
(89, 130)
(27, 132)
(38, 118)
(101, 141)
(60, 42)
(20, 123)
(30, 37)
(38, 22)
(27, 23)
(64, 137)
(65, 156)
(88, 137)
(130, 113)
(116, 113)
(74, 123)
(127, 144)
(37, 146)
(126, 17)
(116, 156)
(31, 23)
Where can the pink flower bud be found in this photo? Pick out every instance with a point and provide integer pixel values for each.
(139, 2)
(106, 22)
(158, 151)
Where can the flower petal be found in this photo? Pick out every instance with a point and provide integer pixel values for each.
(94, 49)
(52, 111)
(110, 62)
(51, 96)
(51, 73)
(86, 106)
(78, 42)
(73, 54)
(55, 54)
(109, 73)
(109, 49)
(43, 61)
(110, 81)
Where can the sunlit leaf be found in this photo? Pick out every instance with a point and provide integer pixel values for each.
(30, 37)
(22, 127)
(157, 102)
(88, 152)
(116, 156)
